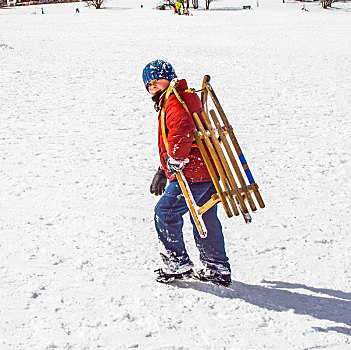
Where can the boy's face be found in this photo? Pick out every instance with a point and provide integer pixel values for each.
(156, 85)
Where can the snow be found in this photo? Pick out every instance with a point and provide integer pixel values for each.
(78, 149)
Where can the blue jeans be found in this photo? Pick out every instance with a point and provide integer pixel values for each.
(169, 213)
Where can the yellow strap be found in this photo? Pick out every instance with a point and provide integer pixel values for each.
(163, 117)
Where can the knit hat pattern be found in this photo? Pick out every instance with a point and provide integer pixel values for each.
(158, 69)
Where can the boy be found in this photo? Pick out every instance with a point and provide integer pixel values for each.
(183, 155)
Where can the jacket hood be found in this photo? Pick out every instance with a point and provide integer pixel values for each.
(182, 86)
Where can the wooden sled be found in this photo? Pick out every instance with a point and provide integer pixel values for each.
(216, 140)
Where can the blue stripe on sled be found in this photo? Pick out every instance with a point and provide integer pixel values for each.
(247, 170)
(249, 176)
(242, 159)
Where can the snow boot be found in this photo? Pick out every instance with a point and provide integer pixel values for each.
(165, 277)
(216, 277)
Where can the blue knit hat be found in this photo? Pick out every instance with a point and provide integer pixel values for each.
(158, 69)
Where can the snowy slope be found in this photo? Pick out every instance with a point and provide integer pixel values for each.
(78, 151)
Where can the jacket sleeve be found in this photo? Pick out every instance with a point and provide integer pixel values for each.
(180, 127)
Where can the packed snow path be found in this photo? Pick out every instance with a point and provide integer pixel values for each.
(78, 151)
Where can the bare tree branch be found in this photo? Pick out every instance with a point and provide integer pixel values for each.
(96, 3)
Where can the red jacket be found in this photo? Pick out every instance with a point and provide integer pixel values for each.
(180, 126)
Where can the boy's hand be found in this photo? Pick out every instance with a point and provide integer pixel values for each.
(158, 183)
(173, 166)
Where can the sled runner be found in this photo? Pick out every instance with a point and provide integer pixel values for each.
(216, 140)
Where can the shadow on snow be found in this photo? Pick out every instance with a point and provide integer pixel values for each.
(339, 9)
(223, 9)
(274, 298)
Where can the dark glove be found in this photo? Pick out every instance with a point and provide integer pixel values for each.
(158, 183)
(173, 166)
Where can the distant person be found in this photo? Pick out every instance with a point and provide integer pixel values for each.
(77, 10)
(42, 11)
(179, 7)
